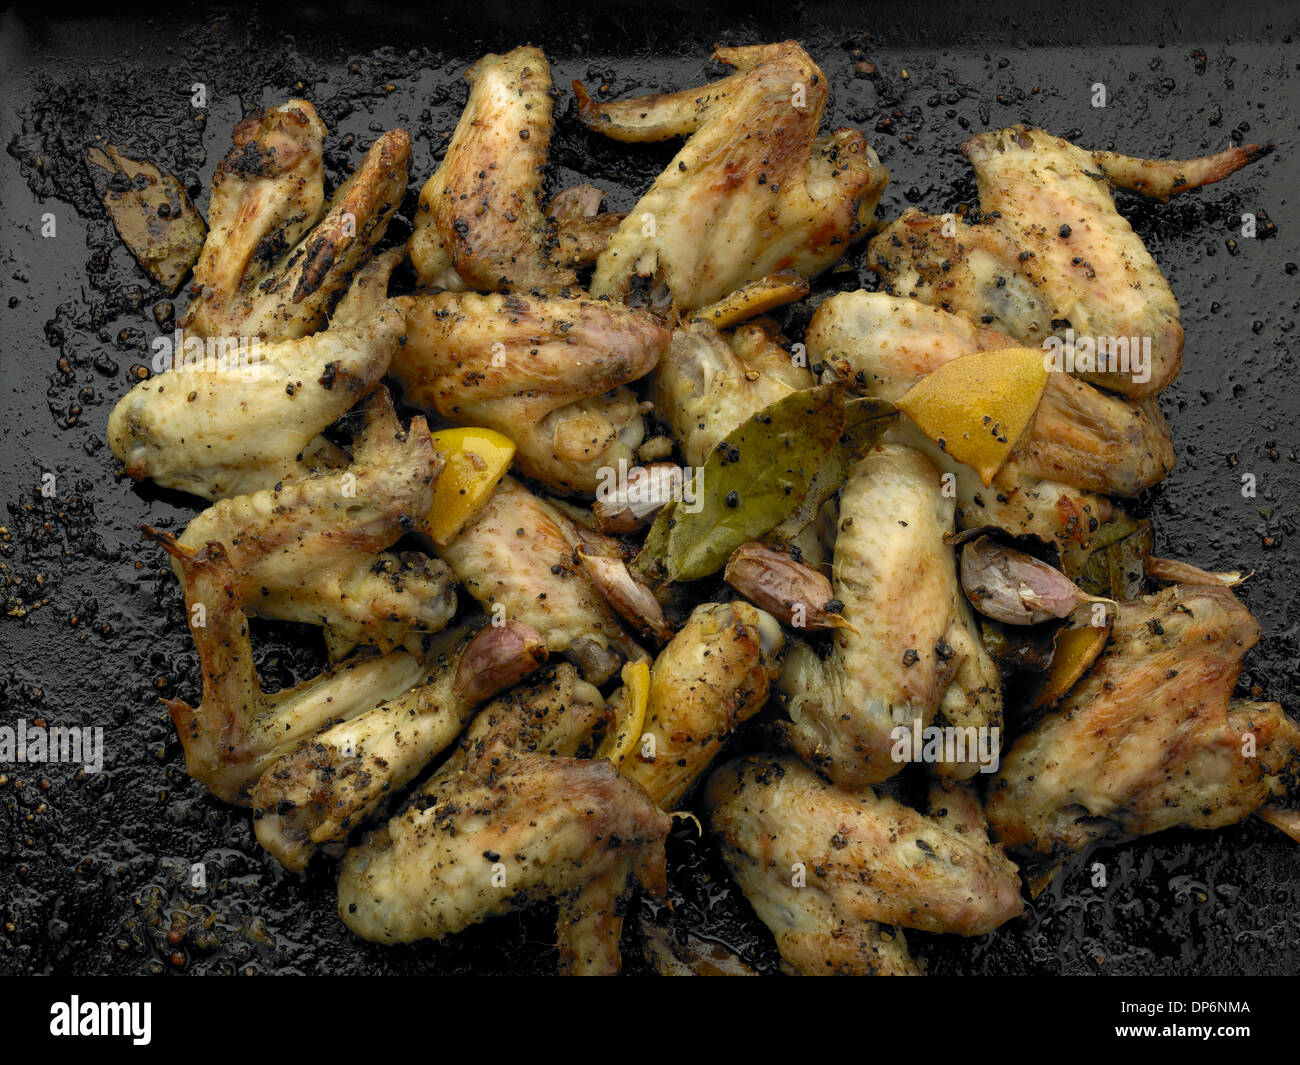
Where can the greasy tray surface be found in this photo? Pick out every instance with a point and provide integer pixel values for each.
(93, 870)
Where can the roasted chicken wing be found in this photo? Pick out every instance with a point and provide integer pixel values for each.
(754, 190)
(1151, 737)
(831, 871)
(479, 214)
(709, 382)
(332, 782)
(547, 372)
(315, 550)
(1052, 253)
(517, 558)
(300, 551)
(546, 829)
(911, 650)
(249, 417)
(881, 345)
(238, 730)
(512, 820)
(271, 264)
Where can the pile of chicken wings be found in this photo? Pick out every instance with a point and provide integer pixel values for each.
(513, 711)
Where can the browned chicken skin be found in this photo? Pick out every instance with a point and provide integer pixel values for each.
(479, 214)
(556, 714)
(881, 345)
(266, 194)
(709, 383)
(829, 870)
(514, 818)
(547, 372)
(912, 650)
(331, 783)
(1051, 251)
(238, 730)
(884, 344)
(561, 829)
(582, 229)
(753, 191)
(250, 416)
(272, 264)
(1151, 737)
(315, 550)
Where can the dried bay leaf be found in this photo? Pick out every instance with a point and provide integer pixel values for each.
(151, 212)
(750, 482)
(865, 422)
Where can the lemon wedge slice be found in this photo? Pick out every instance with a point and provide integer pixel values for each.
(476, 460)
(978, 406)
(629, 703)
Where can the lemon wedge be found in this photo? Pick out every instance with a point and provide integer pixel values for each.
(629, 703)
(1077, 648)
(978, 406)
(476, 460)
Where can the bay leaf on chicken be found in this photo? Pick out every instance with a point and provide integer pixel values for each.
(752, 480)
(865, 422)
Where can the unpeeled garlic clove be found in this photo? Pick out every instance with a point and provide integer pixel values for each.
(794, 592)
(497, 658)
(1015, 588)
(645, 491)
(632, 599)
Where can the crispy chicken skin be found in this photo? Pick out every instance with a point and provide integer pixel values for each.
(267, 193)
(230, 425)
(518, 553)
(913, 645)
(547, 372)
(1151, 737)
(709, 382)
(314, 550)
(513, 819)
(881, 345)
(868, 862)
(753, 191)
(711, 677)
(331, 783)
(479, 213)
(1051, 251)
(271, 264)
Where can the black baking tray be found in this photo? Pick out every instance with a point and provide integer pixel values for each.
(95, 869)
